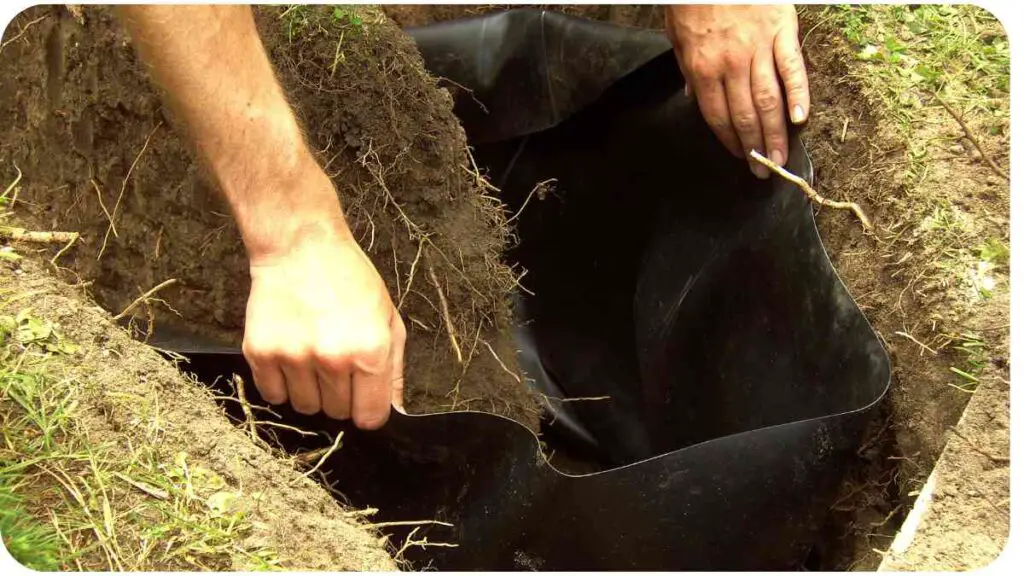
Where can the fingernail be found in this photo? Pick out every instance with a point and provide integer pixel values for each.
(777, 157)
(798, 114)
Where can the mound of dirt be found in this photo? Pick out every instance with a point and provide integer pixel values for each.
(122, 395)
(99, 156)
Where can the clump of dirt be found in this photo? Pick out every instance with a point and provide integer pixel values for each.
(99, 157)
(172, 469)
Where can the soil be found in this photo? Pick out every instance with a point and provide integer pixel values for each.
(91, 137)
(74, 116)
(130, 396)
(858, 157)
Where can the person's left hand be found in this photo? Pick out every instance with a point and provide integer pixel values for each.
(729, 55)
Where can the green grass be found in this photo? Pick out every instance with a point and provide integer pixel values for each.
(973, 354)
(29, 541)
(119, 504)
(961, 51)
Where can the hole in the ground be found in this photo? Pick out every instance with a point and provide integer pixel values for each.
(727, 373)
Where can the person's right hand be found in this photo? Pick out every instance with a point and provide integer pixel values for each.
(321, 330)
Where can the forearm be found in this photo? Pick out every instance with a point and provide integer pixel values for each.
(218, 79)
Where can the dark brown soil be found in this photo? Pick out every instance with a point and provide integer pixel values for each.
(79, 112)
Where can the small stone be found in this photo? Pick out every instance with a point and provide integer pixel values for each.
(975, 155)
(992, 181)
(957, 149)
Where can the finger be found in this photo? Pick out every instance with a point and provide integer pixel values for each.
(764, 85)
(790, 63)
(715, 109)
(371, 389)
(267, 376)
(398, 336)
(303, 388)
(744, 116)
(335, 391)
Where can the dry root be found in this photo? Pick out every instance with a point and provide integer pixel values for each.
(22, 235)
(811, 194)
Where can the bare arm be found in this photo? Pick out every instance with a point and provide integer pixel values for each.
(321, 329)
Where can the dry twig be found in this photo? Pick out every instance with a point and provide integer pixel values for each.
(810, 193)
(970, 136)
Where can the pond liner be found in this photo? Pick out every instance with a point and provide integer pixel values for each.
(732, 373)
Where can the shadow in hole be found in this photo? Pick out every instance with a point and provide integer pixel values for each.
(739, 371)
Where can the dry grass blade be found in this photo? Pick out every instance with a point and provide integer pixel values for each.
(810, 192)
(146, 488)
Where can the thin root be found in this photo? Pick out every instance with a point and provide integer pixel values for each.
(811, 194)
(124, 185)
(145, 297)
(444, 313)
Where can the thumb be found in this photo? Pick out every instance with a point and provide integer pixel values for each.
(398, 336)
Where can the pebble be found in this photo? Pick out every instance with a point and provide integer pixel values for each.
(975, 155)
(957, 148)
(993, 181)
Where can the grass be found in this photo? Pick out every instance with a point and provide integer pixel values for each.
(903, 56)
(71, 501)
(30, 542)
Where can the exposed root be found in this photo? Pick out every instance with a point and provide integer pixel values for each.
(145, 297)
(500, 363)
(334, 448)
(541, 189)
(970, 136)
(99, 198)
(22, 235)
(250, 420)
(22, 32)
(124, 185)
(13, 187)
(916, 341)
(408, 523)
(445, 314)
(412, 274)
(422, 543)
(811, 194)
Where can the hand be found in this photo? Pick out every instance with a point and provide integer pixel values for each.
(321, 330)
(729, 54)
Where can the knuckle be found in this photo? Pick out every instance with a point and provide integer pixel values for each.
(745, 122)
(766, 100)
(791, 65)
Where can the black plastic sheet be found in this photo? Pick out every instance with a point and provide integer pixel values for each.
(738, 371)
